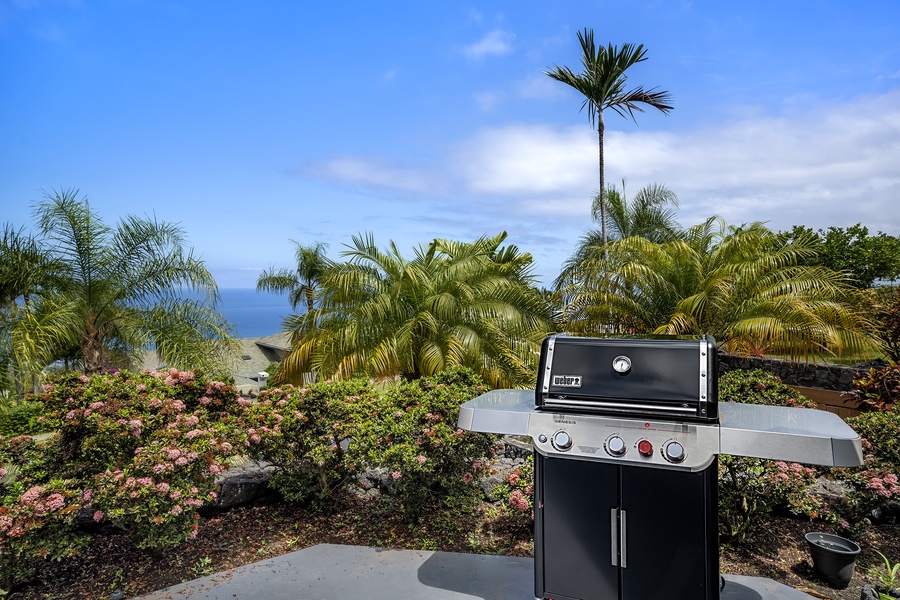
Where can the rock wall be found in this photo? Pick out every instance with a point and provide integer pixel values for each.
(826, 377)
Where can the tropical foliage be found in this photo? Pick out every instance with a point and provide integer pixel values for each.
(745, 285)
(867, 258)
(882, 306)
(25, 270)
(301, 283)
(453, 304)
(602, 83)
(99, 295)
(650, 214)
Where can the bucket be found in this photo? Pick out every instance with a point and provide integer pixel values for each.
(834, 558)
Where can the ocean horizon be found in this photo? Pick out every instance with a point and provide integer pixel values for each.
(252, 313)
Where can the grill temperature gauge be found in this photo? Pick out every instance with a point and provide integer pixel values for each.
(621, 364)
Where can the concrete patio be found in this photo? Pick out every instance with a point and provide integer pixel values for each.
(334, 572)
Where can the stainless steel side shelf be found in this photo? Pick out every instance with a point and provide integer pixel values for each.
(782, 433)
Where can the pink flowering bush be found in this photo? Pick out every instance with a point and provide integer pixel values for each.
(516, 494)
(36, 519)
(411, 432)
(103, 419)
(306, 434)
(138, 450)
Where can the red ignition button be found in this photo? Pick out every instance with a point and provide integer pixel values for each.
(645, 448)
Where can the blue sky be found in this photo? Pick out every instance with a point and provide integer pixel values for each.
(255, 123)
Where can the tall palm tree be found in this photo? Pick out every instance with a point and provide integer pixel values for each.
(302, 282)
(744, 285)
(602, 83)
(452, 304)
(118, 291)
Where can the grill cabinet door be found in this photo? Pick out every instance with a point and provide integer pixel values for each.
(573, 532)
(672, 534)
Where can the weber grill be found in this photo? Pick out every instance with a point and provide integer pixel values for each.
(626, 436)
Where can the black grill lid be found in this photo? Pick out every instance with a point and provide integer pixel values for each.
(662, 376)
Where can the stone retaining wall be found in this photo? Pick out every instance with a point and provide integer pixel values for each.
(826, 377)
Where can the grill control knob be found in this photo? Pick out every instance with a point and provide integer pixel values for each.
(674, 452)
(562, 440)
(616, 446)
(645, 448)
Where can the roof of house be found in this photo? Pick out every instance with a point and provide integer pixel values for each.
(254, 355)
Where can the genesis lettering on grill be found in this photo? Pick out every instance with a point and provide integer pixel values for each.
(570, 381)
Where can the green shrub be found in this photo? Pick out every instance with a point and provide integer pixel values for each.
(876, 482)
(750, 488)
(36, 521)
(880, 431)
(412, 433)
(516, 495)
(305, 433)
(22, 419)
(756, 386)
(141, 451)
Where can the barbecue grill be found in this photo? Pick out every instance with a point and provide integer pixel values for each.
(626, 436)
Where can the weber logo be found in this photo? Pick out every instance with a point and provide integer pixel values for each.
(571, 381)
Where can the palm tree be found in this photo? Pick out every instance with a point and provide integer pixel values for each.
(602, 83)
(744, 285)
(25, 270)
(452, 304)
(302, 282)
(650, 214)
(118, 291)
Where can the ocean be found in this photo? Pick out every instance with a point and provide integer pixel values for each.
(254, 314)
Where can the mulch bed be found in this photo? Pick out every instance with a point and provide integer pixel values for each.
(111, 563)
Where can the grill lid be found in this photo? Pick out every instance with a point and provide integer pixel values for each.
(662, 376)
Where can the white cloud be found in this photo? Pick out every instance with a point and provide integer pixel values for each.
(494, 43)
(835, 165)
(832, 165)
(373, 172)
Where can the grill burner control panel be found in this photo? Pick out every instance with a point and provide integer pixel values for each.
(664, 444)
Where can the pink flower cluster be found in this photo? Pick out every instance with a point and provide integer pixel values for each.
(175, 377)
(433, 417)
(33, 499)
(214, 386)
(518, 501)
(885, 486)
(787, 472)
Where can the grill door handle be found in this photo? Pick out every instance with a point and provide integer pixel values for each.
(614, 528)
(623, 549)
